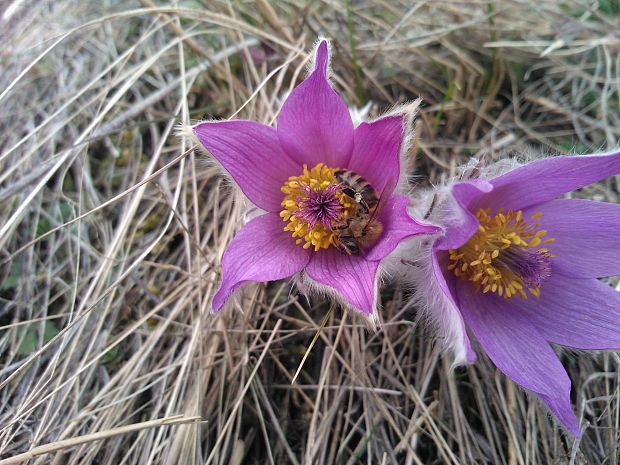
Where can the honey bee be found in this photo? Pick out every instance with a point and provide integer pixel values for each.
(361, 229)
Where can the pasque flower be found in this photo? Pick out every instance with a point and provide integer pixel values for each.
(317, 181)
(519, 268)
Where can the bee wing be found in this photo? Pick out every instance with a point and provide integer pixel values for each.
(383, 198)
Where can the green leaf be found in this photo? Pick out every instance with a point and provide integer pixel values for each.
(12, 280)
(29, 342)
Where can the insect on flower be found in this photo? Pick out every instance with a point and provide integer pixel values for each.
(328, 192)
(519, 267)
(361, 230)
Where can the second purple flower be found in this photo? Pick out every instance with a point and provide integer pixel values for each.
(519, 268)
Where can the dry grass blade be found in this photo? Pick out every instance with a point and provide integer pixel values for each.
(76, 441)
(314, 339)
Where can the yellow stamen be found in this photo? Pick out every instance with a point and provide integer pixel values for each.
(318, 179)
(485, 259)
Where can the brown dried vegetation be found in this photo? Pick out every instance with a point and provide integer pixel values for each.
(112, 229)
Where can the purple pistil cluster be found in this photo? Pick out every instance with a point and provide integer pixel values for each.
(320, 206)
(532, 266)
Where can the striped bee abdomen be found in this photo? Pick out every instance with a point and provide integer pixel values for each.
(356, 187)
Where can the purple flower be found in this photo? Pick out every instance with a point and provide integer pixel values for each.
(519, 268)
(317, 180)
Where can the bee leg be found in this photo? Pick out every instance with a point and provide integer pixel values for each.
(351, 248)
(342, 248)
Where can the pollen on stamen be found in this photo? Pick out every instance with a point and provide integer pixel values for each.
(313, 206)
(506, 256)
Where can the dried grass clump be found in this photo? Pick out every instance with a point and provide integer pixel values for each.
(112, 230)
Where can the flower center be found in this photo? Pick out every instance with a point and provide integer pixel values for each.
(505, 256)
(314, 205)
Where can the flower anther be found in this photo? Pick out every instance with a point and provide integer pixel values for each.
(507, 255)
(314, 205)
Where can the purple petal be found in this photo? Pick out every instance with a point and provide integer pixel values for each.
(376, 150)
(547, 179)
(261, 251)
(314, 125)
(587, 236)
(251, 153)
(461, 223)
(518, 349)
(449, 318)
(578, 313)
(397, 225)
(353, 277)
